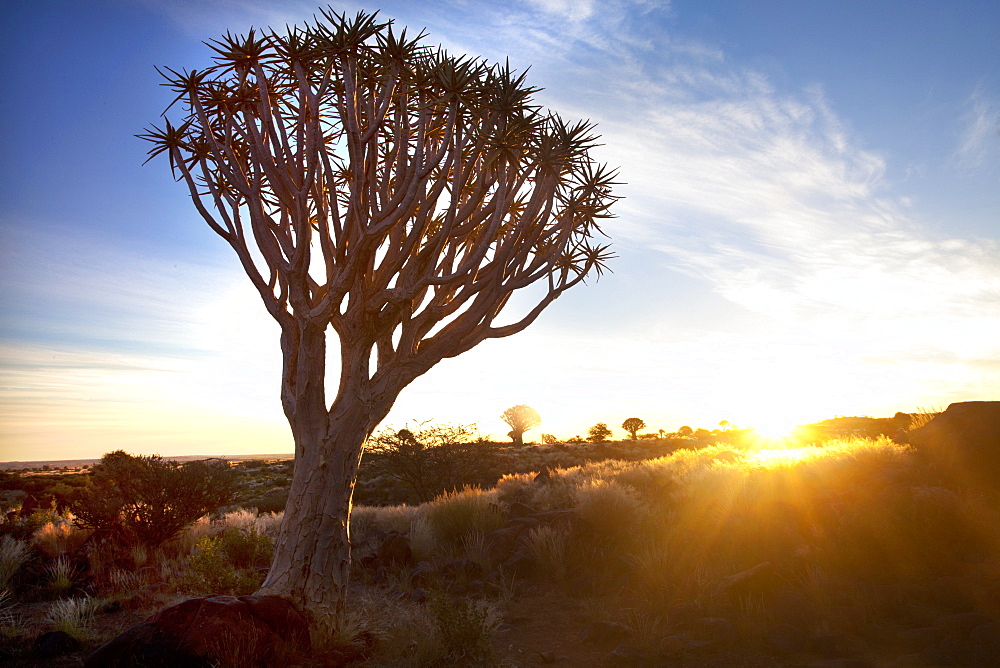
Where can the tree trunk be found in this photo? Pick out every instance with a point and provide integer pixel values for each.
(312, 555)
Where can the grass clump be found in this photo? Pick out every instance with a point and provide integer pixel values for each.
(74, 616)
(14, 554)
(455, 516)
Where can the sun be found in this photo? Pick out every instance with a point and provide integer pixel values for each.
(776, 429)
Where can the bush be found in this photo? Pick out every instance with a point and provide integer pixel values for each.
(431, 459)
(149, 500)
(466, 629)
(212, 571)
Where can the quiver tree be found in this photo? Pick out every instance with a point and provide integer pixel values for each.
(521, 418)
(391, 193)
(632, 425)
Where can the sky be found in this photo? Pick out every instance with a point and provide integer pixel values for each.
(810, 223)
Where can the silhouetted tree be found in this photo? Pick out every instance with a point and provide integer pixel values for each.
(685, 431)
(393, 194)
(521, 418)
(632, 425)
(598, 433)
(433, 459)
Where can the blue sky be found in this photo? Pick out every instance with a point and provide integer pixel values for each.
(811, 223)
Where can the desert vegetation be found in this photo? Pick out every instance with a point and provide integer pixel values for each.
(650, 552)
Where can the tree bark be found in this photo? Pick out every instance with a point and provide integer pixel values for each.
(312, 555)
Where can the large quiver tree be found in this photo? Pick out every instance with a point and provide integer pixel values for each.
(394, 194)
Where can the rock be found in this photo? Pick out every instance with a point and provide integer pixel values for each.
(671, 646)
(626, 654)
(987, 636)
(207, 631)
(787, 607)
(963, 441)
(955, 651)
(716, 630)
(953, 592)
(757, 581)
(787, 639)
(604, 633)
(422, 574)
(518, 509)
(111, 607)
(962, 624)
(922, 638)
(841, 646)
(683, 612)
(394, 550)
(547, 657)
(462, 569)
(54, 643)
(503, 542)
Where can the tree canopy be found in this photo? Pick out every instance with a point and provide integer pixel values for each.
(393, 194)
(521, 418)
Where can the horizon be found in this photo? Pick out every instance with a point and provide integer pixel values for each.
(809, 225)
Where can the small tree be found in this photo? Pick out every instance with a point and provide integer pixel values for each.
(549, 439)
(521, 418)
(685, 431)
(598, 433)
(389, 194)
(432, 459)
(632, 425)
(149, 500)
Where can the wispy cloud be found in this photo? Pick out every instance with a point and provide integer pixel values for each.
(980, 135)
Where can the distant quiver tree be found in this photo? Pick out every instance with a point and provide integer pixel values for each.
(632, 425)
(521, 418)
(393, 194)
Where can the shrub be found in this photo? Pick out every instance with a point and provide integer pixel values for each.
(456, 515)
(149, 500)
(14, 554)
(549, 439)
(211, 571)
(247, 549)
(466, 628)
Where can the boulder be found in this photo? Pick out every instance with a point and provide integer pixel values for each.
(207, 631)
(964, 441)
(54, 643)
(757, 581)
(604, 633)
(787, 639)
(394, 550)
